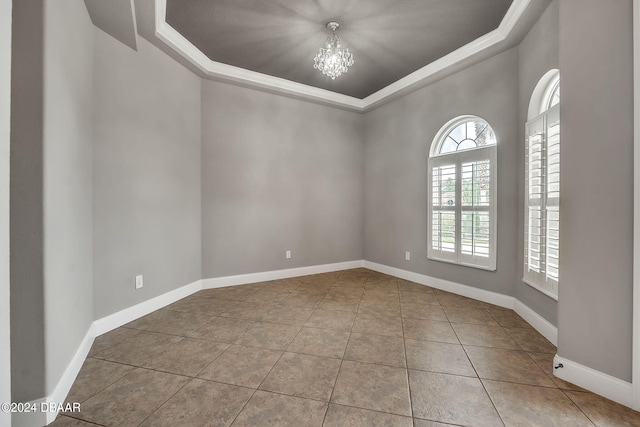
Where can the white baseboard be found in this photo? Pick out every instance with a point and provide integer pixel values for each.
(598, 382)
(243, 279)
(539, 323)
(132, 313)
(69, 376)
(445, 285)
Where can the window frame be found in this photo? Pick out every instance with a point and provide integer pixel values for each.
(459, 158)
(546, 117)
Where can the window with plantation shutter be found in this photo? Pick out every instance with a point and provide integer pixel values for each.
(542, 190)
(461, 194)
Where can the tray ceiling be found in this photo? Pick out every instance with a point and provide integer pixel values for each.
(389, 39)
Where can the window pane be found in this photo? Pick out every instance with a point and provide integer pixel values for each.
(443, 231)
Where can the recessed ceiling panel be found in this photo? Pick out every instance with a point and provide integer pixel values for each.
(389, 39)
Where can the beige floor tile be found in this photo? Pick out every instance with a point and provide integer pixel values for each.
(424, 298)
(273, 336)
(320, 342)
(201, 403)
(438, 357)
(507, 365)
(405, 285)
(138, 349)
(204, 305)
(180, 323)
(447, 299)
(376, 349)
(186, 357)
(339, 304)
(451, 399)
(375, 387)
(296, 299)
(604, 412)
(343, 337)
(222, 329)
(484, 336)
(423, 311)
(288, 315)
(429, 330)
(131, 399)
(268, 296)
(152, 319)
(345, 416)
(303, 375)
(240, 365)
(234, 293)
(337, 320)
(425, 423)
(378, 325)
(379, 308)
(276, 410)
(508, 318)
(478, 316)
(526, 405)
(545, 361)
(110, 339)
(64, 421)
(345, 292)
(531, 340)
(94, 376)
(247, 310)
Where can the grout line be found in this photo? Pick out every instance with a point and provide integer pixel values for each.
(406, 363)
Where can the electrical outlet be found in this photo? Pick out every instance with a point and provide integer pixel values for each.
(407, 255)
(139, 281)
(287, 254)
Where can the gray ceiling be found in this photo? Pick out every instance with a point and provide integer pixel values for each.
(389, 39)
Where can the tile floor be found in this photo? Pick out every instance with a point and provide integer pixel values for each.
(355, 348)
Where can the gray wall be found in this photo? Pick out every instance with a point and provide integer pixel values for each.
(278, 174)
(26, 216)
(146, 209)
(596, 222)
(538, 53)
(5, 126)
(67, 192)
(398, 137)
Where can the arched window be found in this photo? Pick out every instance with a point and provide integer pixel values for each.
(542, 186)
(462, 196)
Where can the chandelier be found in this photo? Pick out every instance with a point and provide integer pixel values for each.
(333, 60)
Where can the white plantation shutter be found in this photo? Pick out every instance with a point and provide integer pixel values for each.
(542, 201)
(462, 208)
(553, 197)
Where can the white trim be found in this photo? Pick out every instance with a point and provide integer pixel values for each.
(636, 206)
(540, 289)
(444, 285)
(173, 39)
(539, 323)
(605, 385)
(242, 279)
(61, 391)
(132, 313)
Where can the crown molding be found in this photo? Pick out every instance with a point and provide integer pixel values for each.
(228, 73)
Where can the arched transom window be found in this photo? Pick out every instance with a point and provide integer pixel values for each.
(462, 199)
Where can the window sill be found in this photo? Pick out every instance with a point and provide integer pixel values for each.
(541, 289)
(464, 264)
